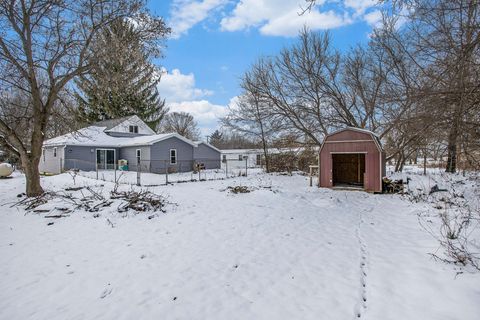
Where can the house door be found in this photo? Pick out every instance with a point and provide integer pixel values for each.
(105, 159)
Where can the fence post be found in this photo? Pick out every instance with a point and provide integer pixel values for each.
(246, 165)
(138, 173)
(166, 172)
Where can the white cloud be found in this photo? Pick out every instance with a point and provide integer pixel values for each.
(176, 87)
(290, 23)
(181, 94)
(185, 14)
(360, 6)
(282, 18)
(205, 113)
(373, 18)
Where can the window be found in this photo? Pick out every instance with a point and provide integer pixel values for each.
(240, 157)
(224, 158)
(105, 159)
(139, 155)
(259, 159)
(133, 129)
(173, 156)
(55, 152)
(43, 154)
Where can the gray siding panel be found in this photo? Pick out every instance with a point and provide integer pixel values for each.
(130, 154)
(160, 156)
(82, 157)
(208, 156)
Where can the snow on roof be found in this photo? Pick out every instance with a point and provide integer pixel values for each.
(360, 130)
(375, 137)
(111, 123)
(96, 137)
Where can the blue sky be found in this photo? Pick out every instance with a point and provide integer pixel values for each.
(215, 41)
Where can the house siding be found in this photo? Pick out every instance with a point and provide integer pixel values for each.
(82, 157)
(207, 155)
(160, 156)
(130, 154)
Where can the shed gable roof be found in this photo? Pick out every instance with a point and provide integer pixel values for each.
(373, 136)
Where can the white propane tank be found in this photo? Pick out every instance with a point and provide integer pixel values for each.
(6, 169)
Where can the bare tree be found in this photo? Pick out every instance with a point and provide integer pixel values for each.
(44, 44)
(182, 123)
(252, 117)
(311, 89)
(442, 40)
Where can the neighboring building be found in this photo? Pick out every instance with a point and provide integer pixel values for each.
(352, 157)
(102, 144)
(254, 158)
(238, 158)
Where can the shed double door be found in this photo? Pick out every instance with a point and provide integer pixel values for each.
(348, 169)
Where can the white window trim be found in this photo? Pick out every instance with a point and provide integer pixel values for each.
(55, 152)
(170, 155)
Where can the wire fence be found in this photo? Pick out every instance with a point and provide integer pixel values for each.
(155, 172)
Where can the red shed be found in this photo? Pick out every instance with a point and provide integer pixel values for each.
(352, 157)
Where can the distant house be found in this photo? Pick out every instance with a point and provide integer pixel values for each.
(252, 158)
(352, 157)
(238, 158)
(103, 144)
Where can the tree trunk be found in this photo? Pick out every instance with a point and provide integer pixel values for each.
(424, 162)
(399, 161)
(267, 159)
(452, 149)
(32, 175)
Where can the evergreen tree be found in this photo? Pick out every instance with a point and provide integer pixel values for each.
(216, 138)
(123, 81)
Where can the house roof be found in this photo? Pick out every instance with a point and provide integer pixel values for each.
(208, 145)
(111, 123)
(95, 136)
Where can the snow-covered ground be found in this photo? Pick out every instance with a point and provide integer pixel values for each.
(282, 251)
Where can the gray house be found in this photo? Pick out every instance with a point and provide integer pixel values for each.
(101, 146)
